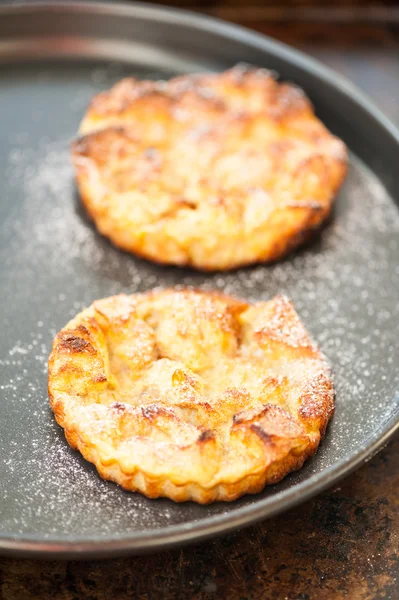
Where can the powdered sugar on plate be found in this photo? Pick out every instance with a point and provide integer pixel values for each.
(53, 263)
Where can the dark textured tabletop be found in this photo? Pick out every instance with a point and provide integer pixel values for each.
(342, 544)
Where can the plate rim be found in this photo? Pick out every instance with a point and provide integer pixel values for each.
(30, 545)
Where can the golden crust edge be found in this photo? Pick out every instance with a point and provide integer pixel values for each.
(311, 223)
(190, 491)
(315, 422)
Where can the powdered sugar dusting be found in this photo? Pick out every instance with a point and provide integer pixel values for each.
(53, 263)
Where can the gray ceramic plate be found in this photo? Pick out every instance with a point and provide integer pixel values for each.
(52, 263)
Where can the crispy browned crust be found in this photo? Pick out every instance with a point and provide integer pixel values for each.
(213, 171)
(190, 395)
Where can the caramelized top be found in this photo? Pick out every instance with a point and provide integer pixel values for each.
(195, 386)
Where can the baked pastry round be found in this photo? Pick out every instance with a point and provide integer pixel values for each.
(212, 171)
(190, 395)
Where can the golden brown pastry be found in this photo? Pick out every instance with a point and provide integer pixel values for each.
(212, 171)
(190, 395)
